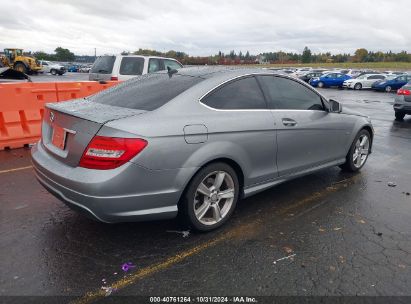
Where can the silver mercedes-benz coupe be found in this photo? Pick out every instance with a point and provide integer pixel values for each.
(192, 142)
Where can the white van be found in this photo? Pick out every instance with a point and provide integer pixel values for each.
(128, 66)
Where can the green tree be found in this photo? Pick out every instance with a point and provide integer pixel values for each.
(360, 55)
(306, 57)
(64, 54)
(44, 56)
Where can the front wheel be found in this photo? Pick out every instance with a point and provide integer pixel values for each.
(53, 72)
(358, 86)
(20, 67)
(211, 197)
(321, 84)
(358, 153)
(388, 89)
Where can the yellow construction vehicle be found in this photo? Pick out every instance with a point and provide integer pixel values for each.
(15, 59)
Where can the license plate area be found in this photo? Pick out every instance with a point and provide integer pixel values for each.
(58, 138)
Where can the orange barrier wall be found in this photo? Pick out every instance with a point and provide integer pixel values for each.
(22, 107)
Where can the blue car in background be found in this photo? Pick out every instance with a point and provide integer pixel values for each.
(73, 68)
(329, 80)
(389, 85)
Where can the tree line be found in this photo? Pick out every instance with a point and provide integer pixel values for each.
(232, 57)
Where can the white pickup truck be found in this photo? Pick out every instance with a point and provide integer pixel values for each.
(52, 68)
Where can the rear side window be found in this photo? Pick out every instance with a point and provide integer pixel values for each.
(103, 65)
(288, 94)
(244, 93)
(147, 92)
(132, 66)
(154, 65)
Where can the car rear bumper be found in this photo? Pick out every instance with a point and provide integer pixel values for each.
(128, 193)
(402, 106)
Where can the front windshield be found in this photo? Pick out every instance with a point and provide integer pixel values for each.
(19, 52)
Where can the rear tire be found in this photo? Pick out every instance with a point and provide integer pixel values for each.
(358, 154)
(210, 198)
(358, 86)
(399, 116)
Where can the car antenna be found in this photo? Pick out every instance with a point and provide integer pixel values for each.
(171, 71)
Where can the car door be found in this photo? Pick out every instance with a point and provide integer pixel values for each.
(308, 136)
(329, 80)
(242, 122)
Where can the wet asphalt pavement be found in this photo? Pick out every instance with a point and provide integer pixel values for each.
(329, 233)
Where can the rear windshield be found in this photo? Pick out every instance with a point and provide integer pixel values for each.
(147, 92)
(103, 65)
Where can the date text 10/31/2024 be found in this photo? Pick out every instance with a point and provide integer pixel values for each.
(201, 299)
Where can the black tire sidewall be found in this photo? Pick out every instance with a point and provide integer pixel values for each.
(358, 86)
(188, 198)
(399, 115)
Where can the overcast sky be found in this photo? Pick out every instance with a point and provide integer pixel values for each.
(201, 27)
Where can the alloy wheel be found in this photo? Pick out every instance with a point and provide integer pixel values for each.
(214, 197)
(361, 151)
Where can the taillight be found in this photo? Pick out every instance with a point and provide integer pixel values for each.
(104, 153)
(115, 78)
(403, 92)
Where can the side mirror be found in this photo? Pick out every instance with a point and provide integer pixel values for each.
(335, 106)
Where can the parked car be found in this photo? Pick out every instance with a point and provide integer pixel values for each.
(52, 68)
(367, 72)
(73, 68)
(85, 69)
(350, 72)
(363, 82)
(329, 80)
(389, 85)
(310, 75)
(128, 66)
(301, 71)
(402, 104)
(394, 72)
(192, 141)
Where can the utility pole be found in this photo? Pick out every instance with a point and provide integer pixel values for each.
(95, 53)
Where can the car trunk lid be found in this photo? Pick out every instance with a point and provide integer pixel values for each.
(68, 127)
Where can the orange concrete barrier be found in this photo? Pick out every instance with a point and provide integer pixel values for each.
(22, 107)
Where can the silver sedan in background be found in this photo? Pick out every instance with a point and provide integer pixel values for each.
(193, 142)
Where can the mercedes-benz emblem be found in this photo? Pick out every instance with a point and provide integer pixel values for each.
(51, 116)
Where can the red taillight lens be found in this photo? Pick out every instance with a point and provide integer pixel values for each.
(104, 153)
(403, 92)
(115, 78)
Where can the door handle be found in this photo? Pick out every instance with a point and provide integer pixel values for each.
(289, 122)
